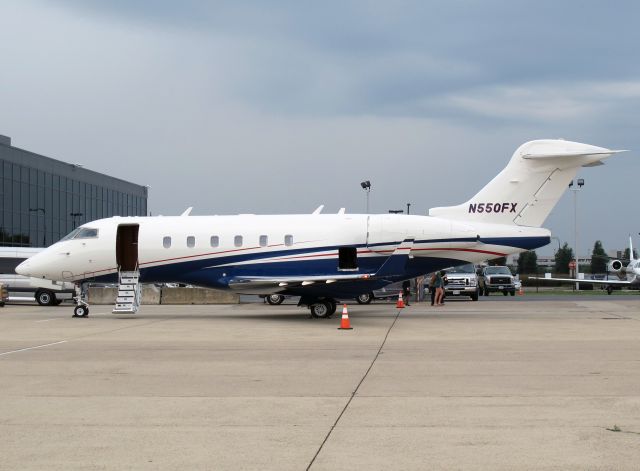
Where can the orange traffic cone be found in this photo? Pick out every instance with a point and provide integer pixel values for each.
(521, 291)
(344, 323)
(400, 303)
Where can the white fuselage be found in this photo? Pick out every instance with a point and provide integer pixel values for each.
(212, 250)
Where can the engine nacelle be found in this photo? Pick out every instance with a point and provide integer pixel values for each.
(614, 266)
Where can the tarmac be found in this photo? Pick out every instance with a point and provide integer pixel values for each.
(494, 384)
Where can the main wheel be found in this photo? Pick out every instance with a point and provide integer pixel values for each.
(474, 296)
(45, 297)
(333, 306)
(321, 309)
(275, 299)
(81, 311)
(365, 298)
(512, 293)
(505, 293)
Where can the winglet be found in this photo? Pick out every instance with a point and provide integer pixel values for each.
(397, 261)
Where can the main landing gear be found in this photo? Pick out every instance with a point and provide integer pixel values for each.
(322, 308)
(81, 300)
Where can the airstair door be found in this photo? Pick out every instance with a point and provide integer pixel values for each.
(127, 247)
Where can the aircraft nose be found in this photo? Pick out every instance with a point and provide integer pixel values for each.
(23, 268)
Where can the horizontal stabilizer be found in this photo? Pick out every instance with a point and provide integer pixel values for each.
(528, 188)
(556, 155)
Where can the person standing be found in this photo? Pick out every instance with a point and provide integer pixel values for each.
(439, 286)
(445, 281)
(406, 291)
(432, 287)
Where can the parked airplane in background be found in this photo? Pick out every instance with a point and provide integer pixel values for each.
(628, 276)
(320, 257)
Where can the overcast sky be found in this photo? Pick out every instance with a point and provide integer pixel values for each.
(278, 107)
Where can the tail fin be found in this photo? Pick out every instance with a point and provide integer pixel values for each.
(631, 257)
(531, 184)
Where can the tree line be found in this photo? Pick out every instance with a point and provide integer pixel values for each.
(528, 261)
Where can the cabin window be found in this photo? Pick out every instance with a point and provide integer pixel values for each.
(237, 241)
(288, 240)
(347, 258)
(215, 241)
(264, 240)
(166, 242)
(191, 242)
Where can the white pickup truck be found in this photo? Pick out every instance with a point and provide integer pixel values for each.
(497, 279)
(46, 292)
(462, 281)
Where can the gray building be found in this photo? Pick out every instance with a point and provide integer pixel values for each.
(43, 199)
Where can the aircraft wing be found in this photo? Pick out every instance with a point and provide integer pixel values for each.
(573, 280)
(394, 265)
(276, 284)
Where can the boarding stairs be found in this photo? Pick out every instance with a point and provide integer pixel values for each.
(129, 292)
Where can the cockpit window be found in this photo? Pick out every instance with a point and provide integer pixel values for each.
(86, 233)
(71, 234)
(81, 233)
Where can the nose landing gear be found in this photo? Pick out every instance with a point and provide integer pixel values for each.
(81, 300)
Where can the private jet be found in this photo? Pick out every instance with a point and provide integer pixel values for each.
(319, 257)
(627, 275)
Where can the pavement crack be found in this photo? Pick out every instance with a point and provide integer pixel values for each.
(355, 391)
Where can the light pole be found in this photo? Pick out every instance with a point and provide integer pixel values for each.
(366, 186)
(44, 218)
(575, 189)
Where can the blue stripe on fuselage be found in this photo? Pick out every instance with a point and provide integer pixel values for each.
(208, 272)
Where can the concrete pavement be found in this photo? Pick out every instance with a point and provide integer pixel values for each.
(486, 385)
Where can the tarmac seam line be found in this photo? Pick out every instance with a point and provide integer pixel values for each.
(33, 348)
(355, 391)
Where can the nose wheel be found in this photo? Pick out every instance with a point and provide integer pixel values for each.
(81, 300)
(81, 311)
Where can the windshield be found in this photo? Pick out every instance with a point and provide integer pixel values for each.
(497, 271)
(81, 233)
(468, 268)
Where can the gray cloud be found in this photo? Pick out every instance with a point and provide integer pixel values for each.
(279, 107)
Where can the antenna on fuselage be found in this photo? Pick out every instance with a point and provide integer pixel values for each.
(187, 211)
(341, 211)
(318, 209)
